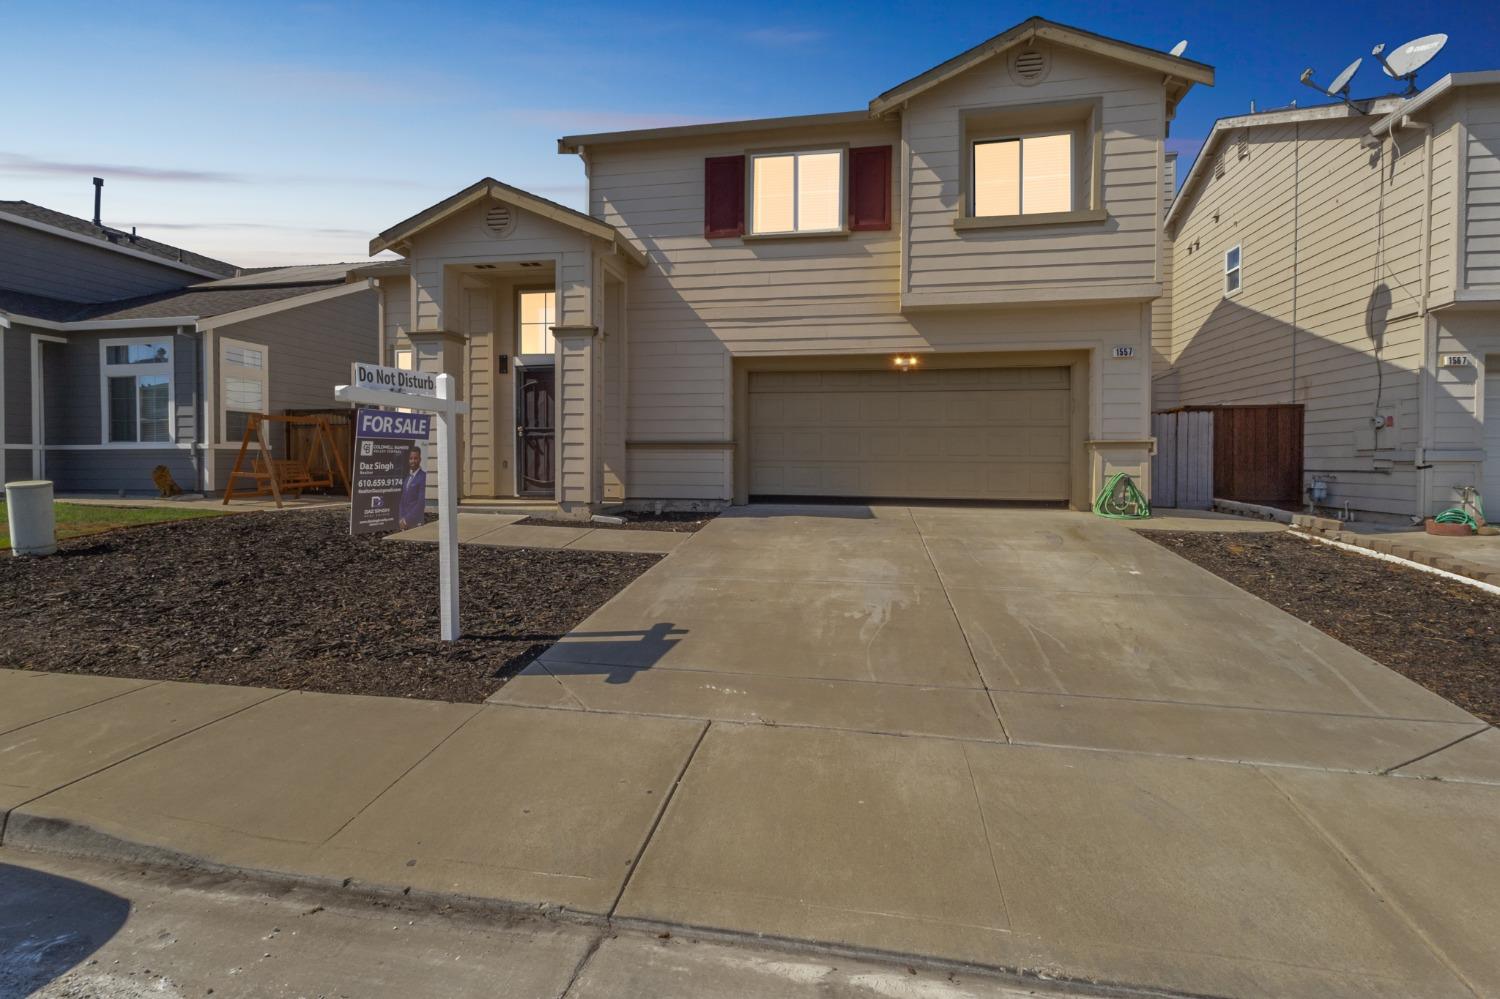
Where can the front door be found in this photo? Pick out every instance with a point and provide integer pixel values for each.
(535, 432)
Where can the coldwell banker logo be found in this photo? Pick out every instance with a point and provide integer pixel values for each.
(395, 379)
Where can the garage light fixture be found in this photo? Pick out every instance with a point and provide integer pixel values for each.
(905, 362)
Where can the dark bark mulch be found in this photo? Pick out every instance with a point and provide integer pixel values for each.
(290, 600)
(679, 522)
(1441, 634)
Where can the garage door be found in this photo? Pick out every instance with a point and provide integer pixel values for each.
(974, 433)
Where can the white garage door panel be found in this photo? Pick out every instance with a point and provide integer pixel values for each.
(986, 433)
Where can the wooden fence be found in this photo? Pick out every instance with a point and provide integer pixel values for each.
(1182, 474)
(299, 440)
(1248, 453)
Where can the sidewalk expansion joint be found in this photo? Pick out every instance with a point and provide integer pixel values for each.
(661, 813)
(5, 816)
(1368, 880)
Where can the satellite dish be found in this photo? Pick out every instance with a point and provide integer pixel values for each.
(1407, 59)
(1339, 88)
(1340, 84)
(1179, 48)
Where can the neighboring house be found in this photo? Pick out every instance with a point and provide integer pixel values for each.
(946, 294)
(119, 353)
(1348, 261)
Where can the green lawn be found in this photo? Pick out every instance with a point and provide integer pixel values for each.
(77, 519)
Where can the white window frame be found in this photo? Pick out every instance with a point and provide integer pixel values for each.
(1019, 139)
(1238, 270)
(533, 358)
(225, 344)
(842, 220)
(108, 371)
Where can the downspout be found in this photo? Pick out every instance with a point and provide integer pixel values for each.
(1429, 337)
(198, 453)
(380, 320)
(4, 328)
(1296, 240)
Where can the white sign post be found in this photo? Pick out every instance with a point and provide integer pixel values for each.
(447, 407)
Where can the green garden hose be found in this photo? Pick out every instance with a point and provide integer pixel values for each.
(1461, 514)
(1121, 500)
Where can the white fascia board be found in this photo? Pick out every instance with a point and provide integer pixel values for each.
(105, 324)
(78, 237)
(297, 302)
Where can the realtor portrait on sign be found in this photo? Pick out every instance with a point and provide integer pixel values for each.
(413, 491)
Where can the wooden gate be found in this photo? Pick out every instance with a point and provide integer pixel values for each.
(1182, 473)
(300, 438)
(1258, 453)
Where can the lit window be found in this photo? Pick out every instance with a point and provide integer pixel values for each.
(1029, 175)
(137, 390)
(538, 316)
(244, 385)
(1232, 271)
(797, 192)
(405, 360)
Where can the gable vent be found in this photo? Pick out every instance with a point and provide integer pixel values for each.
(500, 220)
(1029, 66)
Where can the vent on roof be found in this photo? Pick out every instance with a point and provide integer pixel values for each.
(1243, 144)
(500, 220)
(1029, 66)
(1219, 165)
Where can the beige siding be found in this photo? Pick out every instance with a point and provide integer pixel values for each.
(463, 238)
(1332, 237)
(976, 266)
(700, 304)
(397, 315)
(1164, 387)
(575, 415)
(479, 435)
(1482, 183)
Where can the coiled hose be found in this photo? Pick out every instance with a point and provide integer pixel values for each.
(1121, 500)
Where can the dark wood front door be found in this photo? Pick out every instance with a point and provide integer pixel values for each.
(535, 432)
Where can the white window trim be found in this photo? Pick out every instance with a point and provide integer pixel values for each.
(843, 213)
(107, 370)
(1238, 269)
(548, 357)
(1017, 137)
(225, 343)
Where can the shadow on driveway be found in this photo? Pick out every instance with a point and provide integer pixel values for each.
(49, 925)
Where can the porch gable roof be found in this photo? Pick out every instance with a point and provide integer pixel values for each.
(398, 236)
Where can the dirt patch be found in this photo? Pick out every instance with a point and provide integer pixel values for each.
(1443, 635)
(290, 600)
(681, 523)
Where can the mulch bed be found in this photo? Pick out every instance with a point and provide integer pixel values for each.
(290, 600)
(678, 522)
(1441, 634)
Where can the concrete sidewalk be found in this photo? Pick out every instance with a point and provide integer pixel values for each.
(1114, 867)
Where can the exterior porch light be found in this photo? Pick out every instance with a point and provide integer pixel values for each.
(905, 362)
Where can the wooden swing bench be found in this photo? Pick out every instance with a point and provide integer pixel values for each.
(274, 476)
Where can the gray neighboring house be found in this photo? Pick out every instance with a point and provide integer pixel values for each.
(119, 353)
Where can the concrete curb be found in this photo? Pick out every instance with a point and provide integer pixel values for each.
(63, 837)
(1395, 547)
(1254, 510)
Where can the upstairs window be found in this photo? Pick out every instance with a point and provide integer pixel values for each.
(244, 385)
(136, 384)
(538, 315)
(1232, 271)
(797, 192)
(1023, 175)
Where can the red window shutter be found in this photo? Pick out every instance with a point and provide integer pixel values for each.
(870, 188)
(723, 196)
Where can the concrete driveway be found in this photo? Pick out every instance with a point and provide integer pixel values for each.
(1012, 625)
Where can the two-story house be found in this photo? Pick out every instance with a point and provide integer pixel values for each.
(946, 294)
(1347, 260)
(119, 353)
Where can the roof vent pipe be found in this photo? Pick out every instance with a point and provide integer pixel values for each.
(98, 193)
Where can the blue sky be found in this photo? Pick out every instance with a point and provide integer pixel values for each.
(288, 132)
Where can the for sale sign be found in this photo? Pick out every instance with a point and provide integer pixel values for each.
(390, 477)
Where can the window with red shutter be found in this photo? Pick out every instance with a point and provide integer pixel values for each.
(723, 196)
(870, 188)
